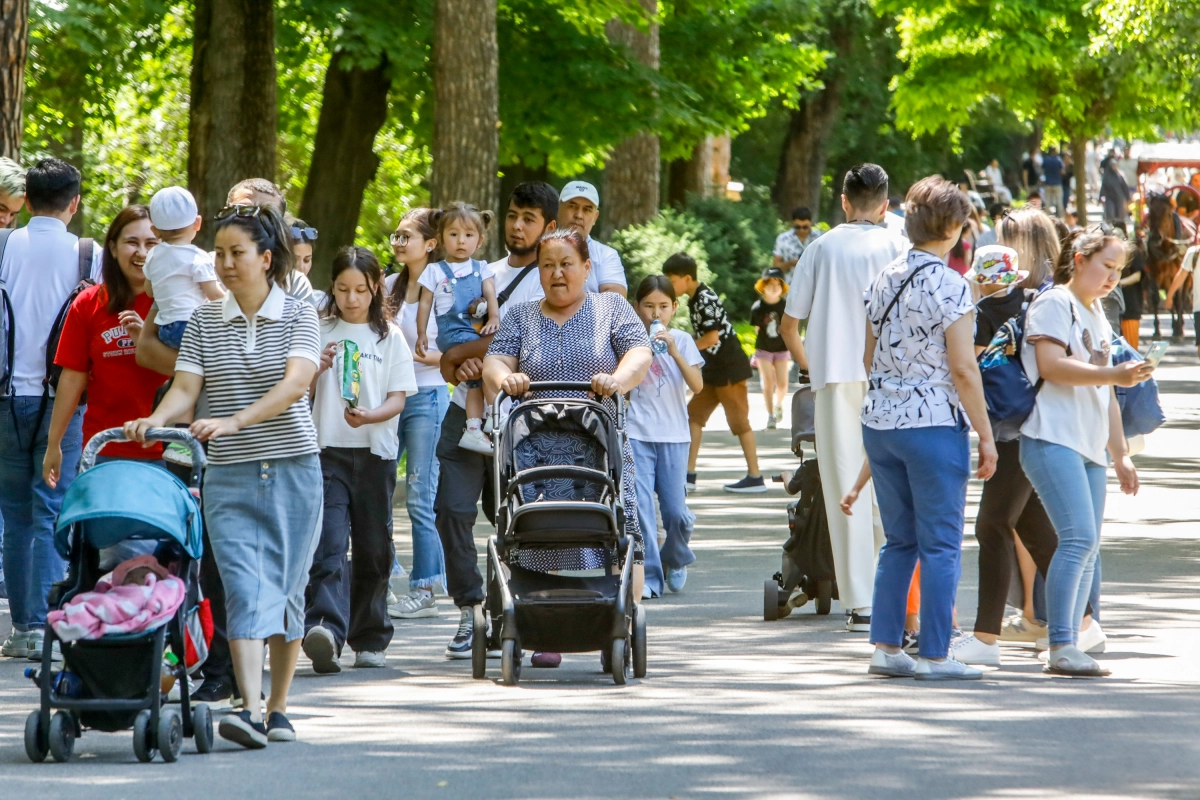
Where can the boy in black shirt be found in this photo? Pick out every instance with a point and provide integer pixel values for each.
(726, 370)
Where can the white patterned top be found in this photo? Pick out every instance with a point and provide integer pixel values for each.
(910, 383)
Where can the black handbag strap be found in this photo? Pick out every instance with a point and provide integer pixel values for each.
(502, 298)
(899, 292)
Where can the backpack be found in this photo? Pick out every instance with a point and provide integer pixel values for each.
(1007, 390)
(8, 329)
(1141, 412)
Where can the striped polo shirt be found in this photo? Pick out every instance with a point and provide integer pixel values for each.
(241, 360)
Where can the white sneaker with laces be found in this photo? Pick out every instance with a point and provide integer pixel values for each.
(16, 645)
(417, 604)
(369, 659)
(1092, 639)
(476, 440)
(948, 670)
(970, 650)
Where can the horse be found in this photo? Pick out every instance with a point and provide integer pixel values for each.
(1167, 239)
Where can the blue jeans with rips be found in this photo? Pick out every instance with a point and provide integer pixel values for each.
(1073, 490)
(420, 423)
(29, 506)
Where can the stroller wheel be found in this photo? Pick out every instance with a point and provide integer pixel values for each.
(202, 725)
(36, 745)
(619, 661)
(824, 596)
(479, 645)
(62, 736)
(510, 663)
(170, 734)
(142, 748)
(639, 641)
(770, 600)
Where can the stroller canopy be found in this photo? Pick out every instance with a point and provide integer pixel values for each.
(129, 500)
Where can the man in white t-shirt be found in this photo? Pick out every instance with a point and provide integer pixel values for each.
(579, 208)
(465, 475)
(40, 268)
(827, 290)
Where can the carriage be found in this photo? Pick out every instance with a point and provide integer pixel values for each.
(1162, 230)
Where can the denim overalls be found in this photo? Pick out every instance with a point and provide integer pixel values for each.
(454, 327)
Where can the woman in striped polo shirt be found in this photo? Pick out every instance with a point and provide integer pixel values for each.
(254, 353)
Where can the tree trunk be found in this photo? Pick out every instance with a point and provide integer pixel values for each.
(1079, 167)
(514, 174)
(802, 161)
(14, 46)
(632, 174)
(353, 109)
(232, 116)
(692, 175)
(466, 103)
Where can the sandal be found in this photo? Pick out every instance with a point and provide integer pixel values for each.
(1073, 662)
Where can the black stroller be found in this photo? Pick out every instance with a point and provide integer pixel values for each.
(558, 476)
(115, 682)
(807, 572)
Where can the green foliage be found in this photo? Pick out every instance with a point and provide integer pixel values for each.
(738, 237)
(644, 248)
(397, 187)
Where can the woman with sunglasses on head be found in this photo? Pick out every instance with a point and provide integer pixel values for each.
(255, 354)
(415, 246)
(303, 237)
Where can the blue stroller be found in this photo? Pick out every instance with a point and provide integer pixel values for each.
(115, 682)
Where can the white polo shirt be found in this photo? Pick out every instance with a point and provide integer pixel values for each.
(606, 266)
(39, 270)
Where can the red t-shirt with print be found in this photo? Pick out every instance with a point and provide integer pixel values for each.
(94, 341)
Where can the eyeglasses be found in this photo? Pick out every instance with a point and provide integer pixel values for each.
(238, 210)
(399, 239)
(307, 234)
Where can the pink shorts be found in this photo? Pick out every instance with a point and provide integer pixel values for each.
(763, 357)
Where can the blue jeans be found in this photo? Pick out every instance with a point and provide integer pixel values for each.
(29, 506)
(920, 477)
(420, 423)
(1072, 489)
(662, 468)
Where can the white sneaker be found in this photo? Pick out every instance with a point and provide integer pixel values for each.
(1092, 639)
(369, 659)
(900, 665)
(417, 604)
(969, 650)
(948, 670)
(16, 645)
(476, 441)
(37, 638)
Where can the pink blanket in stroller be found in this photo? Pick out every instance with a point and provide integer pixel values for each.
(118, 609)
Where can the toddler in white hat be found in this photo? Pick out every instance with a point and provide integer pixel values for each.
(179, 276)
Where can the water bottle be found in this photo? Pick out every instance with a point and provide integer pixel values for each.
(657, 345)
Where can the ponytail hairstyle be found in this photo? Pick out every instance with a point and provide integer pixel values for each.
(363, 260)
(655, 283)
(461, 212)
(421, 219)
(1085, 242)
(268, 231)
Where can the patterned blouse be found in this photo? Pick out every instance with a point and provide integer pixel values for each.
(910, 383)
(590, 343)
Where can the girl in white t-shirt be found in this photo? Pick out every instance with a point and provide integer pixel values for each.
(366, 372)
(1075, 419)
(657, 424)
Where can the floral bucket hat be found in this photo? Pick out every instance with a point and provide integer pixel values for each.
(996, 265)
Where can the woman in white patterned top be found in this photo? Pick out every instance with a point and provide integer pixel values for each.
(922, 373)
(254, 353)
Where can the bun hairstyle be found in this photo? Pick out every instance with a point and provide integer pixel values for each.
(1085, 242)
(568, 235)
(268, 231)
(422, 220)
(657, 283)
(461, 212)
(363, 260)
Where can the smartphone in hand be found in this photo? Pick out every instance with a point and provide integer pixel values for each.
(1156, 352)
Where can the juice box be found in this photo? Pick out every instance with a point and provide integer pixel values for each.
(351, 376)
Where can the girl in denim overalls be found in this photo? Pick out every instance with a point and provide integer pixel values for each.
(457, 289)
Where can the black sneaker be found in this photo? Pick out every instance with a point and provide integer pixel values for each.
(238, 729)
(279, 729)
(690, 484)
(460, 645)
(858, 622)
(747, 485)
(912, 642)
(212, 691)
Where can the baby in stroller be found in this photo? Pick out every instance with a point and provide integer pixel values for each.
(112, 676)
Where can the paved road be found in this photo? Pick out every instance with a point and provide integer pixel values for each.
(734, 706)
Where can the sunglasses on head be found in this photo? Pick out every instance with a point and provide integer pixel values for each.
(305, 234)
(238, 210)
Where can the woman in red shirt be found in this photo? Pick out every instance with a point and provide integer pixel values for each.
(98, 345)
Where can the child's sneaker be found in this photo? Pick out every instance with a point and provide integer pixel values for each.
(417, 604)
(177, 453)
(475, 440)
(770, 422)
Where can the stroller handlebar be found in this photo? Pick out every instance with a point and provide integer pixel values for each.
(180, 435)
(561, 386)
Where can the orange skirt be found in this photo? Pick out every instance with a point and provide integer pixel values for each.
(1129, 329)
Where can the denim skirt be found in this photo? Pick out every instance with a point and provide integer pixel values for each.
(264, 521)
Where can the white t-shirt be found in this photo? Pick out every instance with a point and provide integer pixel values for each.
(1073, 416)
(40, 268)
(827, 290)
(658, 405)
(606, 266)
(895, 223)
(406, 320)
(530, 288)
(434, 279)
(1191, 260)
(175, 272)
(385, 367)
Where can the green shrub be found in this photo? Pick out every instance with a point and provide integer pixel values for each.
(738, 237)
(644, 248)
